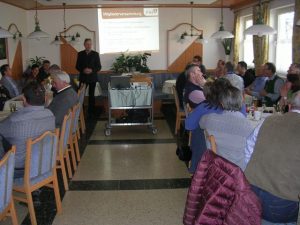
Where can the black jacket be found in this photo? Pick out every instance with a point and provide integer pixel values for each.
(91, 60)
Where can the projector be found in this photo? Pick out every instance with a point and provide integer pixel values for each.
(140, 85)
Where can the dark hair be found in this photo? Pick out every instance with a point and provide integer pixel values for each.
(243, 64)
(34, 66)
(198, 57)
(3, 69)
(46, 61)
(229, 66)
(271, 67)
(87, 39)
(34, 93)
(231, 98)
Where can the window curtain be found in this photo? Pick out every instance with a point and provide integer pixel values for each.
(261, 44)
(236, 43)
(296, 34)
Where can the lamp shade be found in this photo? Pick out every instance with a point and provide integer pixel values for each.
(222, 34)
(260, 30)
(4, 33)
(38, 33)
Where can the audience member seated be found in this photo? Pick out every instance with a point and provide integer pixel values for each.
(248, 75)
(44, 71)
(33, 76)
(273, 169)
(180, 84)
(65, 97)
(197, 60)
(193, 93)
(219, 71)
(291, 85)
(210, 105)
(4, 96)
(258, 84)
(234, 79)
(29, 122)
(8, 81)
(271, 92)
(230, 128)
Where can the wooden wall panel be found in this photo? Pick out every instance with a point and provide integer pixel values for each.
(17, 66)
(186, 57)
(68, 57)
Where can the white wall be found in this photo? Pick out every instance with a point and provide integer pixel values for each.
(10, 14)
(51, 22)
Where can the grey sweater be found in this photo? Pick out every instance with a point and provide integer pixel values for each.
(230, 130)
(62, 103)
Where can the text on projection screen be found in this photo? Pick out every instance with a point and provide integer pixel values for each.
(132, 30)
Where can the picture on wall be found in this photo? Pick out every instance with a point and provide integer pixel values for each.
(3, 49)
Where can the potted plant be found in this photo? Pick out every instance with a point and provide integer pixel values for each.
(36, 60)
(130, 63)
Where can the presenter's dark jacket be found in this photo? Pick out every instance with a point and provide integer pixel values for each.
(90, 60)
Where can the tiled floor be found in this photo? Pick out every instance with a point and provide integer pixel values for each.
(131, 177)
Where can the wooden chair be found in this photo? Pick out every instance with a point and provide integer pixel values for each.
(63, 152)
(40, 170)
(212, 141)
(7, 206)
(81, 94)
(75, 128)
(180, 114)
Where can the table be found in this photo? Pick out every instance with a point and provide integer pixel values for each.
(16, 100)
(168, 86)
(254, 122)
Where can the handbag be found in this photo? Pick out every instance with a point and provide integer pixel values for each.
(183, 150)
(184, 153)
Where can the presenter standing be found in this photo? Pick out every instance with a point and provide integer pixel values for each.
(88, 64)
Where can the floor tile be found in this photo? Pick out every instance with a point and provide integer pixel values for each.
(132, 132)
(147, 207)
(130, 162)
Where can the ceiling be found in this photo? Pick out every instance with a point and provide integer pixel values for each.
(57, 4)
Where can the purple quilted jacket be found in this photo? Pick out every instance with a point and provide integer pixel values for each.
(220, 194)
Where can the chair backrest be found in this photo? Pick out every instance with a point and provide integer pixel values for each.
(176, 98)
(81, 94)
(41, 156)
(7, 165)
(65, 132)
(75, 117)
(212, 141)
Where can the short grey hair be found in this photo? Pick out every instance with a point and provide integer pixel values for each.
(231, 99)
(295, 101)
(190, 70)
(63, 76)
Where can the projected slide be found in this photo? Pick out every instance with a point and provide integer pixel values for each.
(132, 30)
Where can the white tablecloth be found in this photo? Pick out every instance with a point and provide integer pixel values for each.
(167, 87)
(19, 104)
(4, 114)
(98, 90)
(131, 97)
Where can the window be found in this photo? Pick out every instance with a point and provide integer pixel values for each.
(281, 44)
(246, 51)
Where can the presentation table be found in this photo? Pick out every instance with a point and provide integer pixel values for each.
(133, 99)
